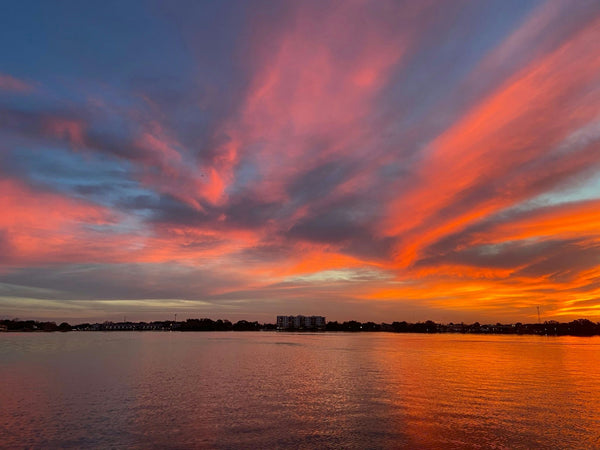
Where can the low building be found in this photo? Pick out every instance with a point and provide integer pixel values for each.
(300, 322)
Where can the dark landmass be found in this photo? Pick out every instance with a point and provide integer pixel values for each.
(579, 327)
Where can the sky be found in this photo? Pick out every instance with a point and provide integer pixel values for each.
(367, 160)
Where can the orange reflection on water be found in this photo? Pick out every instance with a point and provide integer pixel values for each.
(457, 391)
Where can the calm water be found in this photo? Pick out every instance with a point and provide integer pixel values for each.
(275, 390)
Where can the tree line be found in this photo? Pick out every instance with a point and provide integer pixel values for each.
(579, 327)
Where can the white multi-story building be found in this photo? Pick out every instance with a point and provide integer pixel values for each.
(300, 322)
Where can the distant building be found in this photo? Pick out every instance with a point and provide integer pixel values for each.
(300, 322)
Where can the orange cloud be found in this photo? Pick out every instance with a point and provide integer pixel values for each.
(524, 120)
(571, 220)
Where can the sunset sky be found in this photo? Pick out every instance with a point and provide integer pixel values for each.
(365, 160)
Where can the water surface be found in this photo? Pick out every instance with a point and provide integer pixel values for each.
(283, 390)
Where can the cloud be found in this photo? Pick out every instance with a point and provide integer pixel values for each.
(479, 159)
(44, 226)
(363, 156)
(9, 83)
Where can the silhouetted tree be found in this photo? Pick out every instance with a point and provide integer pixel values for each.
(352, 325)
(371, 326)
(244, 325)
(65, 327)
(332, 326)
(400, 327)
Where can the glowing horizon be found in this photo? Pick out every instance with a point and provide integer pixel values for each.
(363, 160)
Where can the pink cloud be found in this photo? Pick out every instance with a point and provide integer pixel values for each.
(71, 130)
(316, 81)
(9, 83)
(39, 227)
